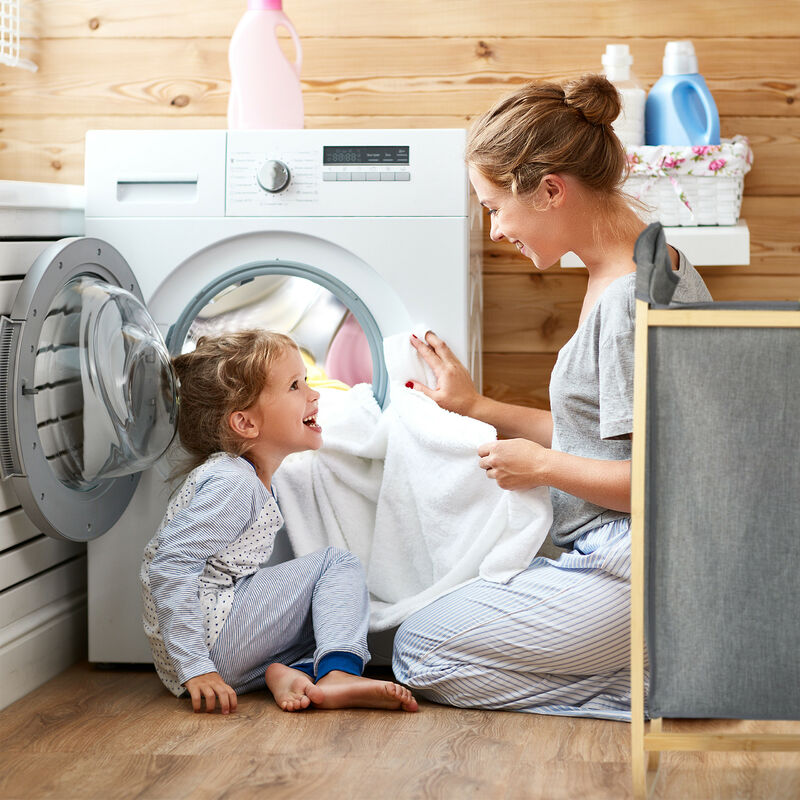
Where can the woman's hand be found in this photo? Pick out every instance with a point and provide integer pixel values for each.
(211, 686)
(454, 390)
(515, 463)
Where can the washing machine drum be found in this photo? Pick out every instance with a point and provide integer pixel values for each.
(88, 396)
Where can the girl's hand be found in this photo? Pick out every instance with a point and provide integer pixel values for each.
(211, 686)
(515, 463)
(454, 390)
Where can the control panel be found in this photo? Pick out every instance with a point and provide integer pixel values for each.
(388, 163)
(345, 173)
(413, 172)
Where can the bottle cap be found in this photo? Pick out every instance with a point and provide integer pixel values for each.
(617, 61)
(679, 58)
(265, 5)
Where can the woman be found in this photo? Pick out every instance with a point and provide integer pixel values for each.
(556, 638)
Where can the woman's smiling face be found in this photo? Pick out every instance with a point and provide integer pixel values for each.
(519, 221)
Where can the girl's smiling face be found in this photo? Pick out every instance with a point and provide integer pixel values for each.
(526, 224)
(284, 418)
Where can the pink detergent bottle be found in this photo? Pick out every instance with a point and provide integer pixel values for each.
(265, 85)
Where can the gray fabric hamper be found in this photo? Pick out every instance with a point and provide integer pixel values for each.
(715, 520)
(722, 521)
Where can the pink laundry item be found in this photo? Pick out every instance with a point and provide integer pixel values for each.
(349, 358)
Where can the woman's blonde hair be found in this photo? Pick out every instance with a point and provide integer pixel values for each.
(222, 375)
(546, 128)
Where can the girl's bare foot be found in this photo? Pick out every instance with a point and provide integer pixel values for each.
(292, 689)
(343, 690)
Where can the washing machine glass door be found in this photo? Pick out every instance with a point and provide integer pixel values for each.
(88, 396)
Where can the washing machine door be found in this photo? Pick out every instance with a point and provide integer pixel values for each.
(88, 396)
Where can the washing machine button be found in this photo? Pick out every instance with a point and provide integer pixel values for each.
(273, 176)
(402, 176)
(358, 176)
(387, 176)
(328, 176)
(373, 176)
(343, 176)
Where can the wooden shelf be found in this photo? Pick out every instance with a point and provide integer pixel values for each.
(704, 246)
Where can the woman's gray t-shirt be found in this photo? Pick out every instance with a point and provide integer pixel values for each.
(591, 393)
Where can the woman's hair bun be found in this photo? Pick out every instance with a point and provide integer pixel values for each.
(595, 97)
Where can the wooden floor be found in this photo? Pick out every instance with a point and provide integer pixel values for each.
(116, 734)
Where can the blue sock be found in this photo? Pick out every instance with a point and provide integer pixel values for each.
(341, 660)
(307, 667)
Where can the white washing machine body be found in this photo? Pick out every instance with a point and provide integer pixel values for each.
(382, 218)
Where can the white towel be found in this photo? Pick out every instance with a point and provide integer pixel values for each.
(403, 363)
(403, 490)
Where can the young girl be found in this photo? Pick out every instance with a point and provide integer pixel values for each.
(218, 622)
(556, 638)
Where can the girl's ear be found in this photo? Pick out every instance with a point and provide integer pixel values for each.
(243, 424)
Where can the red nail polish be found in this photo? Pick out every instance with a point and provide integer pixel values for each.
(409, 384)
(414, 335)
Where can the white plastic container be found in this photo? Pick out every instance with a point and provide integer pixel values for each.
(265, 85)
(629, 125)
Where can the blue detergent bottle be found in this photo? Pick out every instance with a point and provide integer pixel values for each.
(680, 110)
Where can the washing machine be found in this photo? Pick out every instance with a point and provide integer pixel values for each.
(339, 237)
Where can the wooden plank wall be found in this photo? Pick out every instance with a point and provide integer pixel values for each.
(425, 63)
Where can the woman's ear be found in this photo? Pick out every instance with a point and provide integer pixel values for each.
(243, 424)
(553, 190)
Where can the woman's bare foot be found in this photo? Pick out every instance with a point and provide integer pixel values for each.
(343, 690)
(292, 689)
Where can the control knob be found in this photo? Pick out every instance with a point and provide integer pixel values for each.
(273, 176)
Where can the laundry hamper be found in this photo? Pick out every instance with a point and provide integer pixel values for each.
(688, 186)
(715, 515)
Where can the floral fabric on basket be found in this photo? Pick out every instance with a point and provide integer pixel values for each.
(732, 158)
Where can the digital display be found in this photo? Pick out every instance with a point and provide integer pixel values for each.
(369, 154)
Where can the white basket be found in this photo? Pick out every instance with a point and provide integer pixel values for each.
(690, 186)
(713, 201)
(10, 46)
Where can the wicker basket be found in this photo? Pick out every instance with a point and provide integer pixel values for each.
(690, 186)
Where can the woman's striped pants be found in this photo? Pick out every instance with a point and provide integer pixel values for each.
(555, 639)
